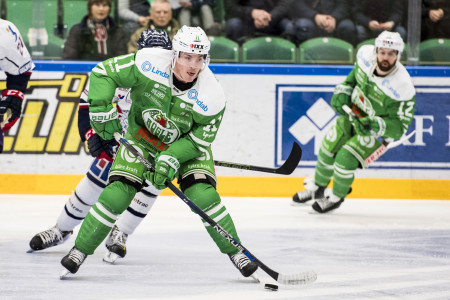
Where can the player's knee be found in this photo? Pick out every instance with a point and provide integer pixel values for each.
(117, 196)
(346, 160)
(203, 195)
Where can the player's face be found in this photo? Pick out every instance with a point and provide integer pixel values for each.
(99, 11)
(161, 14)
(386, 59)
(188, 66)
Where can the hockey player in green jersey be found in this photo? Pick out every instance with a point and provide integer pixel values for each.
(175, 115)
(380, 91)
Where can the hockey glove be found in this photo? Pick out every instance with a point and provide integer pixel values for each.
(99, 147)
(367, 124)
(342, 95)
(11, 101)
(105, 121)
(166, 167)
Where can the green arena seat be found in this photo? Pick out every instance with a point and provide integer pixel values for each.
(434, 52)
(326, 50)
(367, 42)
(223, 50)
(269, 50)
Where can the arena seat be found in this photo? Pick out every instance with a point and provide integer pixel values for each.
(269, 50)
(223, 50)
(326, 50)
(434, 52)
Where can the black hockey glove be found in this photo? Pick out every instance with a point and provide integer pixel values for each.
(99, 147)
(11, 103)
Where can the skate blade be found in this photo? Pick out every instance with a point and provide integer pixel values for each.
(301, 204)
(110, 257)
(64, 274)
(255, 277)
(30, 250)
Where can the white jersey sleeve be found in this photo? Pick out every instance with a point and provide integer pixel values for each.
(14, 56)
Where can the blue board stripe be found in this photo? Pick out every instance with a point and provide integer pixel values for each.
(249, 69)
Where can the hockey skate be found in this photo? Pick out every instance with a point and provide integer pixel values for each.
(72, 262)
(116, 245)
(49, 238)
(312, 192)
(244, 265)
(328, 203)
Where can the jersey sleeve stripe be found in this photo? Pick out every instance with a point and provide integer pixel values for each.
(99, 69)
(199, 141)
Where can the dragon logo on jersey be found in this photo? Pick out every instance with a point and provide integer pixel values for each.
(362, 102)
(159, 125)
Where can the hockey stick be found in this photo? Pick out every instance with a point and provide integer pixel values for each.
(5, 118)
(287, 168)
(293, 279)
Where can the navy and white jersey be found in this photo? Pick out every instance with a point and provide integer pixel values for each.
(14, 56)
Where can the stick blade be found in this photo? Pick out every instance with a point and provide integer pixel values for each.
(292, 161)
(298, 278)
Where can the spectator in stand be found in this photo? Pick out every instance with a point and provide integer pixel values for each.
(323, 18)
(133, 15)
(249, 18)
(160, 18)
(199, 13)
(97, 37)
(375, 16)
(435, 19)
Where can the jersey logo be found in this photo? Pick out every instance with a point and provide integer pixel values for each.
(146, 66)
(159, 125)
(193, 95)
(13, 32)
(127, 156)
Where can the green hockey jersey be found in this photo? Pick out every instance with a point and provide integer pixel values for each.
(391, 98)
(160, 114)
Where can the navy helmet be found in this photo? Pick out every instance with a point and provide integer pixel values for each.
(151, 38)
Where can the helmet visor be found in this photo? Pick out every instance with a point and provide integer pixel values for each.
(195, 61)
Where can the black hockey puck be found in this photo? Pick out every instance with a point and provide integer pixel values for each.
(271, 287)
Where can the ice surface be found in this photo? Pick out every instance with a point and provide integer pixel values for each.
(368, 249)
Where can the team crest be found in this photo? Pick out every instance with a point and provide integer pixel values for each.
(159, 125)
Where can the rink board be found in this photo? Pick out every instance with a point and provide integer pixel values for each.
(233, 186)
(269, 107)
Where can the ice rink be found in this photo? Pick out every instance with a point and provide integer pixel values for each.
(368, 249)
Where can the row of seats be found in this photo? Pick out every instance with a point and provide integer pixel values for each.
(322, 50)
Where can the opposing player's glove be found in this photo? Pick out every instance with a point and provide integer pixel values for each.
(99, 147)
(105, 121)
(166, 167)
(367, 124)
(11, 101)
(342, 95)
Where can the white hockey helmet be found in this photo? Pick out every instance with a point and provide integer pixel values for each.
(191, 40)
(390, 40)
